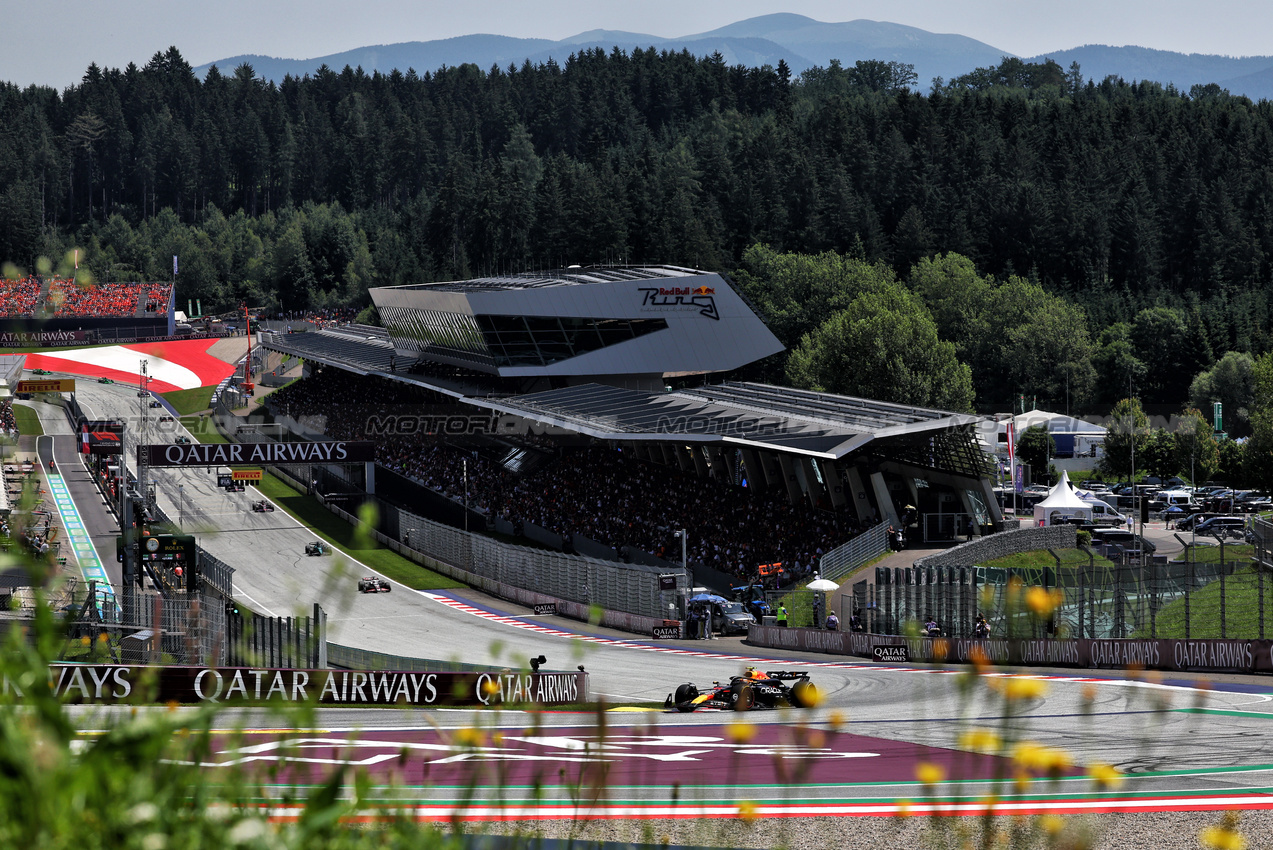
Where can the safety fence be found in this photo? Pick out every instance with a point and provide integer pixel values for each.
(844, 560)
(288, 642)
(630, 588)
(1179, 599)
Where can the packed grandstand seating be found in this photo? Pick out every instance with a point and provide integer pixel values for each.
(598, 492)
(19, 297)
(157, 297)
(66, 298)
(8, 422)
(100, 300)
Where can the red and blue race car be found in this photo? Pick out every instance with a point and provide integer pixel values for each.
(754, 689)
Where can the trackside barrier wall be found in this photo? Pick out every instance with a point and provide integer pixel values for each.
(626, 596)
(1216, 656)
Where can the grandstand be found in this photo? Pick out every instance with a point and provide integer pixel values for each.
(37, 310)
(570, 369)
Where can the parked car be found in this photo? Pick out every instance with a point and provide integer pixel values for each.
(1222, 526)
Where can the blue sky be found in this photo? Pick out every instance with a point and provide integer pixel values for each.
(51, 42)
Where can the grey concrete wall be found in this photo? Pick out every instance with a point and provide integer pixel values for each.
(1002, 544)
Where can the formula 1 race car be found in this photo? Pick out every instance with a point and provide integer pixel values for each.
(753, 689)
(263, 507)
(318, 548)
(373, 584)
(103, 380)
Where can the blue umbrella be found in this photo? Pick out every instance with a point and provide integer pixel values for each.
(1174, 509)
(707, 597)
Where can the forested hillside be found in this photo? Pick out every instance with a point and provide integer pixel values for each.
(1135, 219)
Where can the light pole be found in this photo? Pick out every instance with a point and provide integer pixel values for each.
(685, 563)
(465, 463)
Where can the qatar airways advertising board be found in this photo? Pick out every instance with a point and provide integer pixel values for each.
(227, 454)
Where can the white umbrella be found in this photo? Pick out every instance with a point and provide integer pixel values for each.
(822, 584)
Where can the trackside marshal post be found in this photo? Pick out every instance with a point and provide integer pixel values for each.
(223, 454)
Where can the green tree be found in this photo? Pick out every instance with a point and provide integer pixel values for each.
(883, 346)
(1036, 448)
(1126, 437)
(1196, 449)
(1258, 460)
(1159, 457)
(1231, 381)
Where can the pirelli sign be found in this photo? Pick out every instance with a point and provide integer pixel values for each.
(257, 454)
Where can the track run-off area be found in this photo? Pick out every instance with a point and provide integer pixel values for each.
(884, 740)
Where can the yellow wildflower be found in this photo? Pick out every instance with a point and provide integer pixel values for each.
(1105, 776)
(1033, 756)
(747, 811)
(1039, 601)
(929, 773)
(1219, 838)
(903, 808)
(1052, 824)
(469, 737)
(1023, 689)
(836, 719)
(980, 741)
(740, 732)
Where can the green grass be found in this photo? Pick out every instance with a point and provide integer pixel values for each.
(186, 402)
(353, 541)
(28, 422)
(202, 429)
(1042, 558)
(1211, 554)
(1241, 609)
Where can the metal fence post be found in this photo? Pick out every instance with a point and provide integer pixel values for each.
(1223, 592)
(1188, 593)
(1259, 577)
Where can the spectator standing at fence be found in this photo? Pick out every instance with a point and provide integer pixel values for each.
(782, 616)
(833, 622)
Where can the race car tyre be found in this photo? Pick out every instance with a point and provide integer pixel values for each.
(685, 696)
(741, 696)
(804, 694)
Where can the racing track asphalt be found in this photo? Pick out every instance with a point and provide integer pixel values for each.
(1185, 747)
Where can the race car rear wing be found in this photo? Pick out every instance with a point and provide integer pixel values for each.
(786, 675)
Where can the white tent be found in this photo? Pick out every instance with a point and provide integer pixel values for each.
(1061, 502)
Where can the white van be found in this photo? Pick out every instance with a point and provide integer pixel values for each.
(1103, 514)
(1170, 498)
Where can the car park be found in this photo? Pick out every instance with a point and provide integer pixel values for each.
(1222, 526)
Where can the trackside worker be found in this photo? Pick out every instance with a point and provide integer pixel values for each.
(782, 616)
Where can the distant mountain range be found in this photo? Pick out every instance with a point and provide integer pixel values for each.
(802, 42)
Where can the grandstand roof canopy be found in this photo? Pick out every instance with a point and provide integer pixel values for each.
(741, 414)
(574, 276)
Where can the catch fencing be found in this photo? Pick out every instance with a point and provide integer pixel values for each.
(1178, 599)
(844, 560)
(630, 588)
(279, 642)
(611, 585)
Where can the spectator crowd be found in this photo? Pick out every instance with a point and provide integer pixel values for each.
(23, 297)
(19, 297)
(600, 492)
